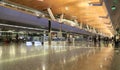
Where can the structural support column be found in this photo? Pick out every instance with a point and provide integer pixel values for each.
(73, 38)
(49, 34)
(60, 33)
(68, 37)
(44, 36)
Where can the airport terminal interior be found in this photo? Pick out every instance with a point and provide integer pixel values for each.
(59, 35)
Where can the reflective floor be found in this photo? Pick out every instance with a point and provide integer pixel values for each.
(63, 56)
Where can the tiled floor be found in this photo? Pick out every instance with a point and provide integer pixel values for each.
(82, 56)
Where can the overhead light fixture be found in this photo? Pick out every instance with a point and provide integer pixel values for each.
(39, 14)
(66, 8)
(95, 4)
(41, 0)
(90, 4)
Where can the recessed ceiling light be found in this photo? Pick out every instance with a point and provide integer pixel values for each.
(66, 8)
(40, 0)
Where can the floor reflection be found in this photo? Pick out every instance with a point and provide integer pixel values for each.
(116, 58)
(80, 56)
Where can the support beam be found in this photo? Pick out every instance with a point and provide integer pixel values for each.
(87, 27)
(51, 14)
(94, 30)
(76, 22)
(61, 17)
(81, 25)
(90, 29)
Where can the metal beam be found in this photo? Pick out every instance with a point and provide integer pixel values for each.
(51, 14)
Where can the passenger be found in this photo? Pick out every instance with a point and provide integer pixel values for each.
(95, 40)
(17, 38)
